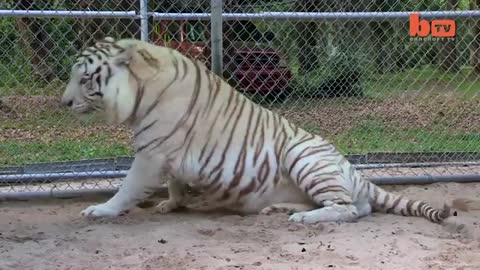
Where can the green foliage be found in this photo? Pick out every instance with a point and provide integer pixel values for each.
(16, 70)
(334, 70)
(373, 48)
(62, 34)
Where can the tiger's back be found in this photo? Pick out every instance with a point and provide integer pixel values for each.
(192, 125)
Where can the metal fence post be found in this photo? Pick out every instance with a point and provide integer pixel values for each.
(144, 20)
(216, 22)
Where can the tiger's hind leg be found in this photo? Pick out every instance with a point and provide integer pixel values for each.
(325, 182)
(176, 197)
(329, 212)
(288, 208)
(180, 197)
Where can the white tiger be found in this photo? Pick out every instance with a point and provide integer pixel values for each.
(191, 125)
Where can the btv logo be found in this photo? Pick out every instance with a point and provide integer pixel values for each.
(438, 28)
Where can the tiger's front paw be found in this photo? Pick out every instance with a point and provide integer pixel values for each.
(299, 218)
(166, 206)
(273, 209)
(288, 208)
(268, 210)
(100, 210)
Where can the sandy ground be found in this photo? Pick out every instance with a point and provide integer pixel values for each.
(50, 234)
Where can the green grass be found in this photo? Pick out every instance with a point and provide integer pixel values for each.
(22, 152)
(367, 136)
(423, 80)
(49, 118)
(406, 140)
(371, 136)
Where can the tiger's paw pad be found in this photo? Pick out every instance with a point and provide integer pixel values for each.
(303, 218)
(273, 209)
(166, 206)
(100, 210)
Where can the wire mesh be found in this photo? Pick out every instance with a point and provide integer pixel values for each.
(357, 79)
(362, 80)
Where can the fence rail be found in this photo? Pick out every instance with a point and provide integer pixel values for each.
(348, 71)
(321, 16)
(67, 14)
(308, 16)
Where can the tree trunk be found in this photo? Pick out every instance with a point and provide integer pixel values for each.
(92, 29)
(308, 33)
(381, 37)
(231, 36)
(384, 51)
(475, 47)
(36, 41)
(129, 28)
(448, 50)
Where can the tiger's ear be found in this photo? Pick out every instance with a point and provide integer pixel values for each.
(104, 42)
(139, 61)
(109, 39)
(125, 57)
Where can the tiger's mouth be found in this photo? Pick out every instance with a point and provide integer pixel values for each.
(83, 108)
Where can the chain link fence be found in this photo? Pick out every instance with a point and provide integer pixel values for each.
(394, 97)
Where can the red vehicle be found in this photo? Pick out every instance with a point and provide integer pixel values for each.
(252, 66)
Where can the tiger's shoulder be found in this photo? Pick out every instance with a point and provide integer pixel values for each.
(142, 47)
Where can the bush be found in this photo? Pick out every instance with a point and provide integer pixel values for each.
(339, 76)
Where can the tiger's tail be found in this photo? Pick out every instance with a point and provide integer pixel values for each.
(384, 201)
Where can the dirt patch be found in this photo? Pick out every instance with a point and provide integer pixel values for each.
(41, 118)
(428, 112)
(6, 111)
(51, 235)
(28, 106)
(121, 135)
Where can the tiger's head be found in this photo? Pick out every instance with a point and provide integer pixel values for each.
(127, 78)
(100, 81)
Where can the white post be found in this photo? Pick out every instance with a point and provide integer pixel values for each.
(216, 22)
(144, 20)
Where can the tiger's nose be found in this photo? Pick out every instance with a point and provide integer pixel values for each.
(67, 102)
